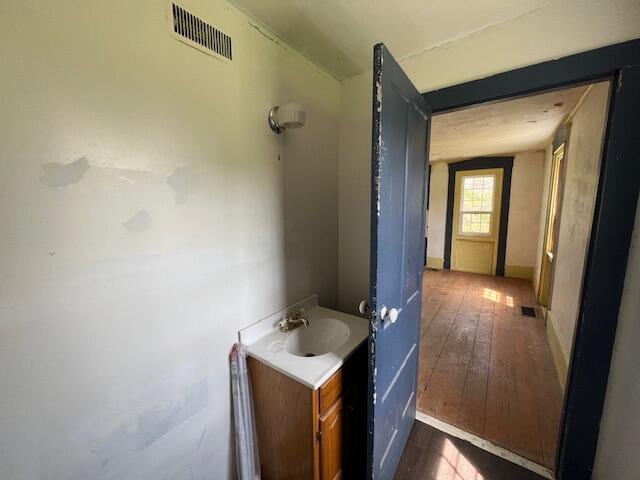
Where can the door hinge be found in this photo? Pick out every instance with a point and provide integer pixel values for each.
(318, 435)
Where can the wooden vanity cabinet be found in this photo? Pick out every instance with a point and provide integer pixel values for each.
(311, 434)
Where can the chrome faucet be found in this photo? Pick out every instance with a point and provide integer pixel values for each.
(291, 321)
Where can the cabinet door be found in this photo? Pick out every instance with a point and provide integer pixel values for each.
(331, 455)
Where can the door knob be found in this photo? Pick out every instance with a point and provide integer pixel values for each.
(363, 307)
(392, 313)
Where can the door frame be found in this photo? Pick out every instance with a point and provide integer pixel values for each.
(481, 163)
(610, 238)
(560, 140)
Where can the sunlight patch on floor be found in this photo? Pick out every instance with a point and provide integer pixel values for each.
(453, 465)
(497, 297)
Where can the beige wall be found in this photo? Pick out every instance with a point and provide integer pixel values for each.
(146, 217)
(584, 152)
(436, 220)
(524, 216)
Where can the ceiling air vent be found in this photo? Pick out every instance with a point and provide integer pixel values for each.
(197, 33)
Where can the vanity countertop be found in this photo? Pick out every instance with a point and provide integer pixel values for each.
(313, 371)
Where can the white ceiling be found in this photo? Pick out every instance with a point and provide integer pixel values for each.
(510, 126)
(340, 34)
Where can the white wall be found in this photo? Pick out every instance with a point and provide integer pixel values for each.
(145, 218)
(354, 179)
(554, 30)
(524, 214)
(437, 219)
(584, 152)
(619, 443)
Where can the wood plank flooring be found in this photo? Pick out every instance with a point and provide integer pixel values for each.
(484, 367)
(434, 455)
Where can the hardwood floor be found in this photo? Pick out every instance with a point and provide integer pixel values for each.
(434, 455)
(486, 368)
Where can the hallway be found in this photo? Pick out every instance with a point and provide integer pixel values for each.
(486, 368)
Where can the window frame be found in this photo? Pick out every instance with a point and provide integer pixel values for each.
(491, 213)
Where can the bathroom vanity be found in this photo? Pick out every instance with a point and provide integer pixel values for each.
(309, 395)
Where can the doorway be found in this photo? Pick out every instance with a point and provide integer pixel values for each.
(551, 227)
(476, 216)
(603, 265)
(493, 362)
(457, 253)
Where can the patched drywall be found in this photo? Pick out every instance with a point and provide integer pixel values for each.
(56, 175)
(583, 158)
(147, 214)
(524, 215)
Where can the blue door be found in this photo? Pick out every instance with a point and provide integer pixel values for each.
(401, 119)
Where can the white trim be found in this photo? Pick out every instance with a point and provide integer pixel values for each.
(485, 445)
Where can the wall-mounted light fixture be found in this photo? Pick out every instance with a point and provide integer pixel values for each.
(290, 115)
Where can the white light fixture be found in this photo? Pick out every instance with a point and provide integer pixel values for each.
(290, 115)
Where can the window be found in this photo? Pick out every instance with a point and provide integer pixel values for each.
(476, 205)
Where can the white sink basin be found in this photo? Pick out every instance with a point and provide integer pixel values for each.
(331, 336)
(320, 337)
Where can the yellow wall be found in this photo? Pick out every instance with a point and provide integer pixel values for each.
(146, 216)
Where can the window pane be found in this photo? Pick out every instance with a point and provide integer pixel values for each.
(477, 193)
(475, 223)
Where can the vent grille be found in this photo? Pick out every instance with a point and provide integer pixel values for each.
(199, 34)
(528, 312)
